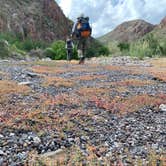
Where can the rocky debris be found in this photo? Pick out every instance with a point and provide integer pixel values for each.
(111, 134)
(15, 145)
(120, 60)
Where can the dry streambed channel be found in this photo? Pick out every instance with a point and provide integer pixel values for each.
(113, 108)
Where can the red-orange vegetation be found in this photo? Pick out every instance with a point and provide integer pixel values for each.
(58, 82)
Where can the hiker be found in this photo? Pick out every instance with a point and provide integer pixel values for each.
(69, 48)
(81, 31)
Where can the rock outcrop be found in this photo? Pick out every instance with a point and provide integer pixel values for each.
(37, 19)
(128, 31)
(163, 23)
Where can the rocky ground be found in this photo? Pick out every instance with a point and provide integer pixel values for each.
(114, 109)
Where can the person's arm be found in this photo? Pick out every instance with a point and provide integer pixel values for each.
(74, 29)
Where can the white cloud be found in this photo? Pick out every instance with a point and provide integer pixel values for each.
(107, 14)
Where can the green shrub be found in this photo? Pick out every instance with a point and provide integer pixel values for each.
(10, 37)
(4, 49)
(163, 47)
(149, 46)
(104, 51)
(57, 50)
(25, 45)
(96, 49)
(124, 46)
(113, 48)
(29, 44)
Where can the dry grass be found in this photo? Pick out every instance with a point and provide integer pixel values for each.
(121, 105)
(110, 67)
(133, 82)
(58, 82)
(158, 69)
(89, 77)
(158, 73)
(91, 91)
(9, 87)
(47, 70)
(158, 62)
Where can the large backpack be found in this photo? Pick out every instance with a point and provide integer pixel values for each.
(83, 27)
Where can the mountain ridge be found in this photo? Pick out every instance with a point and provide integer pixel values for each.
(128, 31)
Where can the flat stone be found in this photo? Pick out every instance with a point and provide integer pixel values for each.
(162, 107)
(55, 154)
(25, 83)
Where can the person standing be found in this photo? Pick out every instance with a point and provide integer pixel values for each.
(69, 48)
(81, 32)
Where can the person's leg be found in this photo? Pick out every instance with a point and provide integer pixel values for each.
(79, 50)
(68, 56)
(83, 47)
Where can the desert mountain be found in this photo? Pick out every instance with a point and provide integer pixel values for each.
(128, 31)
(37, 19)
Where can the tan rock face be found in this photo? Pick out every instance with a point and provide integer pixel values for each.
(163, 23)
(38, 19)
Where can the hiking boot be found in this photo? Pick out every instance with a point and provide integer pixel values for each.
(82, 60)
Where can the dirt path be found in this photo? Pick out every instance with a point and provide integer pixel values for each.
(111, 109)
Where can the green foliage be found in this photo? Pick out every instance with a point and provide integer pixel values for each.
(163, 47)
(103, 50)
(113, 48)
(97, 49)
(4, 48)
(57, 50)
(10, 37)
(25, 45)
(149, 46)
(124, 46)
(29, 44)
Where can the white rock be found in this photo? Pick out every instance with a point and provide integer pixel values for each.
(53, 154)
(12, 134)
(25, 83)
(2, 153)
(1, 136)
(162, 107)
(37, 140)
(46, 59)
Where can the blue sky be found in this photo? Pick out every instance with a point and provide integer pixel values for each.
(105, 15)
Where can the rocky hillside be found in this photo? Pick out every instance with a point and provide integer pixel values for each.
(163, 23)
(38, 19)
(128, 31)
(160, 30)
